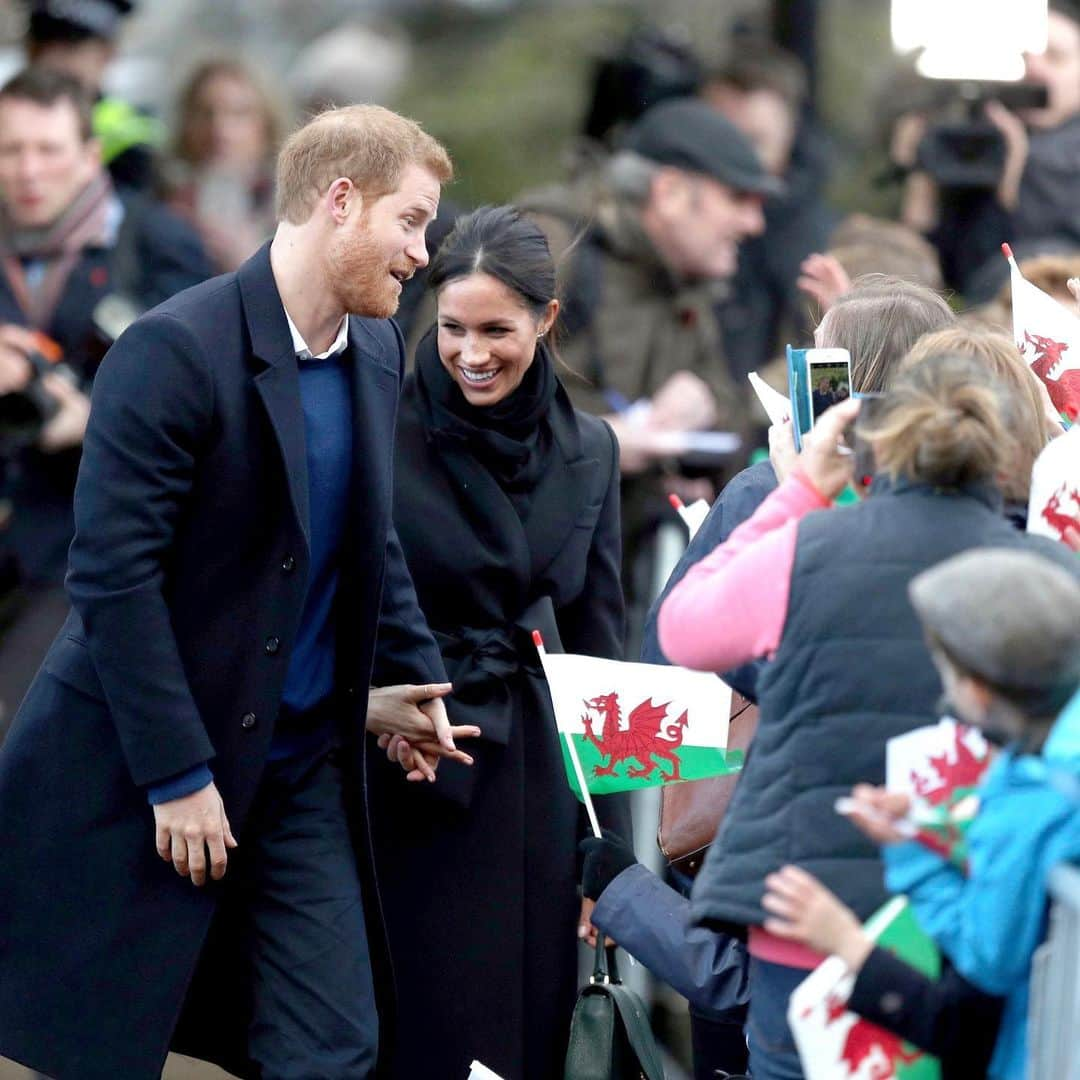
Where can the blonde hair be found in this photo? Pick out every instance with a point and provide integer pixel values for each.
(944, 422)
(368, 144)
(996, 353)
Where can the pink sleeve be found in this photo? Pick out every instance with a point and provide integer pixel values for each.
(731, 607)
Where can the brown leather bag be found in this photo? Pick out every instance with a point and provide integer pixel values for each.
(691, 813)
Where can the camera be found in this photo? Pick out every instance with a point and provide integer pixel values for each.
(649, 67)
(25, 413)
(964, 150)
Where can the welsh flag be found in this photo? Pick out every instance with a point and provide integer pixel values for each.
(835, 1044)
(1054, 503)
(638, 725)
(939, 768)
(1048, 337)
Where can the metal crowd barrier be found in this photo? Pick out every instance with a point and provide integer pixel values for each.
(1054, 1018)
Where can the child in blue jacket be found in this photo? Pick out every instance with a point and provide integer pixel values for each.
(1004, 629)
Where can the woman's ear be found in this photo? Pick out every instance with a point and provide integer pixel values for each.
(547, 320)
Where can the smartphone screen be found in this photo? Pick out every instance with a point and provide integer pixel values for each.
(828, 379)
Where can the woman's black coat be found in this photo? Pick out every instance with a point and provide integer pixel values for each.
(479, 870)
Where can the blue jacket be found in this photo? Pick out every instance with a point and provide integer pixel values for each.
(991, 922)
(651, 921)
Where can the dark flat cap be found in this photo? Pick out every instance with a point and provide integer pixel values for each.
(685, 133)
(73, 18)
(1010, 617)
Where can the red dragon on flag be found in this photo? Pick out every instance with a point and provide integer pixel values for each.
(1052, 515)
(639, 741)
(1063, 384)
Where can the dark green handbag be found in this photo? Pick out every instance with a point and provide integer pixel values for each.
(610, 1036)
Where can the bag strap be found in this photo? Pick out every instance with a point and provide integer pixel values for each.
(635, 1020)
(605, 973)
(638, 1030)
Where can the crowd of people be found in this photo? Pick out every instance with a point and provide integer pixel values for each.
(280, 782)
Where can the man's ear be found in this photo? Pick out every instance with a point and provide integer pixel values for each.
(667, 188)
(343, 199)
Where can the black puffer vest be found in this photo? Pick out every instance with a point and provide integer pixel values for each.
(852, 670)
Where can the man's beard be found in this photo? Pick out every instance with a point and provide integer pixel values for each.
(360, 276)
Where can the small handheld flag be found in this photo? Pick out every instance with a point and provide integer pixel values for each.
(571, 750)
(1054, 502)
(1048, 337)
(693, 516)
(939, 768)
(835, 1044)
(627, 726)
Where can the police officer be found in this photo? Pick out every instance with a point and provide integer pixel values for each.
(78, 37)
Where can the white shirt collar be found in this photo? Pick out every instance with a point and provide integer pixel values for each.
(300, 346)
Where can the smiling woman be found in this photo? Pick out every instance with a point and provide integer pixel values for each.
(506, 501)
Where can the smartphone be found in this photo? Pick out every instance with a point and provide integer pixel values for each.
(828, 380)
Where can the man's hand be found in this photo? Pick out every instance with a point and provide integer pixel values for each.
(190, 826)
(67, 428)
(1015, 135)
(416, 712)
(683, 403)
(413, 728)
(16, 344)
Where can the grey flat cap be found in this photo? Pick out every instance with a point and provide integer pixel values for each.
(1011, 617)
(688, 134)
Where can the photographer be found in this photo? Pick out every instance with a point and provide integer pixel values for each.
(1032, 205)
(77, 262)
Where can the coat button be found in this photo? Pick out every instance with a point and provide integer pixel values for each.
(272, 645)
(288, 564)
(247, 721)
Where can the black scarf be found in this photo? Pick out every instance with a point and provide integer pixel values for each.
(512, 437)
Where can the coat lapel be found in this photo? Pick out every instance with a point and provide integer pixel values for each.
(278, 383)
(561, 496)
(376, 381)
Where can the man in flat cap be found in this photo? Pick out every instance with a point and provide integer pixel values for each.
(663, 219)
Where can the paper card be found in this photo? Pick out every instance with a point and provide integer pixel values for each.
(776, 406)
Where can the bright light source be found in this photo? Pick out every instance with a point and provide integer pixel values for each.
(970, 39)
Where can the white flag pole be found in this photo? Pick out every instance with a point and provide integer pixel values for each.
(538, 641)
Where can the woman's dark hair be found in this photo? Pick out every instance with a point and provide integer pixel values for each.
(504, 243)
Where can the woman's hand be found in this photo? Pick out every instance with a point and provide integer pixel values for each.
(803, 910)
(825, 461)
(782, 453)
(412, 727)
(877, 812)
